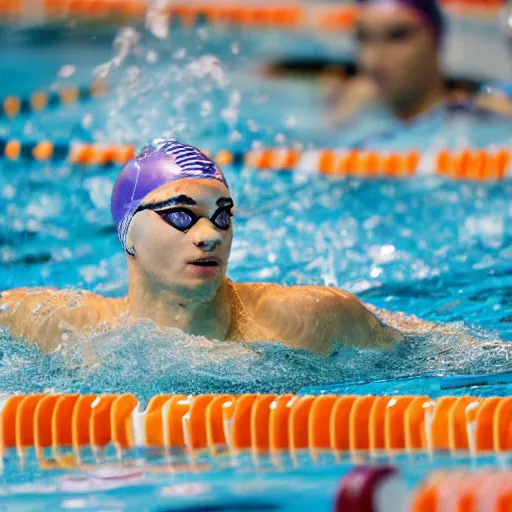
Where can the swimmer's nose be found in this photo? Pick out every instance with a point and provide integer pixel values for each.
(373, 57)
(206, 237)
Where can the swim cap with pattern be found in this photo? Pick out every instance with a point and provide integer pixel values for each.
(428, 10)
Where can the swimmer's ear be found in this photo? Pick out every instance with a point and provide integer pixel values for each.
(130, 248)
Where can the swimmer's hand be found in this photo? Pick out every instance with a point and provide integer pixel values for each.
(319, 318)
(495, 104)
(345, 99)
(41, 315)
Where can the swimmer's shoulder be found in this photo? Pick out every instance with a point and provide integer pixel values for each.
(39, 315)
(258, 293)
(314, 317)
(298, 316)
(37, 299)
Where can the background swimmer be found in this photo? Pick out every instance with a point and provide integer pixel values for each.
(398, 58)
(398, 55)
(173, 210)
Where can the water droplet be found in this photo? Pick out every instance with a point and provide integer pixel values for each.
(66, 71)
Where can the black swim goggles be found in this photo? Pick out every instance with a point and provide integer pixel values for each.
(183, 219)
(396, 34)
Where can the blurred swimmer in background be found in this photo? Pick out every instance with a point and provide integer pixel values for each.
(398, 46)
(173, 210)
(398, 56)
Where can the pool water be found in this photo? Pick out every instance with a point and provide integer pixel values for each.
(430, 248)
(426, 247)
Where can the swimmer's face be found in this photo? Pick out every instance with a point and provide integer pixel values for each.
(396, 51)
(189, 260)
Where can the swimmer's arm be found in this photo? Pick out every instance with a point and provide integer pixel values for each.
(495, 104)
(318, 318)
(22, 310)
(40, 315)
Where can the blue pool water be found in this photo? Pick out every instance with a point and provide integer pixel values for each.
(438, 250)
(430, 248)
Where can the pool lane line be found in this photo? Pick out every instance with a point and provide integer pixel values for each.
(475, 165)
(97, 154)
(13, 106)
(281, 16)
(470, 165)
(330, 18)
(257, 425)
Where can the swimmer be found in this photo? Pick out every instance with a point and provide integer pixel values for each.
(398, 43)
(174, 214)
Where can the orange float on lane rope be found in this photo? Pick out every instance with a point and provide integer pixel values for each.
(12, 150)
(279, 422)
(176, 408)
(195, 423)
(12, 105)
(154, 420)
(260, 422)
(215, 433)
(340, 423)
(43, 151)
(240, 421)
(502, 421)
(377, 423)
(319, 422)
(25, 422)
(43, 416)
(39, 100)
(299, 423)
(414, 423)
(394, 423)
(8, 421)
(484, 421)
(120, 420)
(457, 428)
(439, 423)
(327, 162)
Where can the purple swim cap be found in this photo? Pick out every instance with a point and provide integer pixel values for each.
(166, 161)
(428, 10)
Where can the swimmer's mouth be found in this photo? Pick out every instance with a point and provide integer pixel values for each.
(205, 262)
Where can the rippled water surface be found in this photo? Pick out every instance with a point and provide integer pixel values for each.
(438, 250)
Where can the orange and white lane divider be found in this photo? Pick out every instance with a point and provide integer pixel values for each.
(324, 16)
(97, 154)
(483, 165)
(465, 491)
(64, 425)
(284, 15)
(13, 105)
(453, 164)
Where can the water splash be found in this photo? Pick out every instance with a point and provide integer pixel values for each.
(166, 84)
(142, 359)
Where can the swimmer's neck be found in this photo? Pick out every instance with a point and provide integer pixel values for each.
(407, 111)
(211, 319)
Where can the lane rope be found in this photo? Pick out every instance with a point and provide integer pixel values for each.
(324, 17)
(259, 423)
(480, 164)
(13, 105)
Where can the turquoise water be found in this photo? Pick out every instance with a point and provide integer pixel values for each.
(430, 248)
(360, 236)
(234, 485)
(437, 250)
